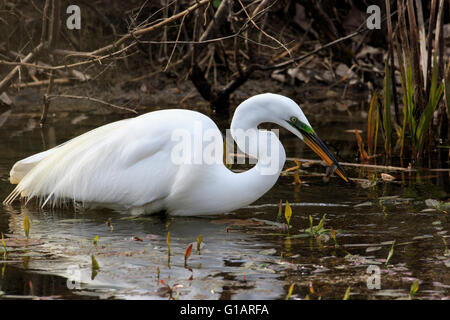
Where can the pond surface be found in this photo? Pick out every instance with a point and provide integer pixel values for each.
(245, 254)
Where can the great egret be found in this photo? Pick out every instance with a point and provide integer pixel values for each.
(129, 164)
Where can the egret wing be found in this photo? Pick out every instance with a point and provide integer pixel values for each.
(116, 163)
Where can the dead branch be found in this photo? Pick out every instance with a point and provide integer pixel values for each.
(261, 30)
(219, 99)
(344, 164)
(46, 100)
(68, 66)
(142, 31)
(50, 27)
(93, 55)
(13, 74)
(40, 83)
(325, 46)
(51, 97)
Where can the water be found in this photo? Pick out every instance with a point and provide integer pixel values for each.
(245, 254)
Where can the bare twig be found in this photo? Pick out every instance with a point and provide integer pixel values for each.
(176, 42)
(12, 75)
(296, 59)
(262, 31)
(40, 83)
(68, 66)
(50, 28)
(46, 100)
(51, 97)
(142, 31)
(344, 164)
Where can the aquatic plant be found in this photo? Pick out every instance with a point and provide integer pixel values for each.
(291, 288)
(187, 254)
(423, 83)
(199, 242)
(288, 214)
(26, 226)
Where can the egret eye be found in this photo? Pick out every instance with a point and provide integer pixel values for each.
(293, 119)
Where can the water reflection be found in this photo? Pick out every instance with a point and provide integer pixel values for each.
(133, 257)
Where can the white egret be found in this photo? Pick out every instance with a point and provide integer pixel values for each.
(129, 164)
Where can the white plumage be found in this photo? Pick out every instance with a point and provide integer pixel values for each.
(129, 164)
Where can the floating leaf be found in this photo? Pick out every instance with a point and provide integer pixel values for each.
(347, 294)
(438, 205)
(291, 288)
(26, 226)
(414, 289)
(187, 254)
(288, 213)
(391, 252)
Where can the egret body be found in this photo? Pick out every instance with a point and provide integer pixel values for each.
(129, 164)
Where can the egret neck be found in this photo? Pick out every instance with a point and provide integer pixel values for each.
(260, 145)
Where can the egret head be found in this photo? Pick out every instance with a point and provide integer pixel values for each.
(285, 112)
(307, 134)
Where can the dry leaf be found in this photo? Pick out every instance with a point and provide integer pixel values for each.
(188, 252)
(363, 153)
(387, 177)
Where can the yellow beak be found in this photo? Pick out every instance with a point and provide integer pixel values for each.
(322, 151)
